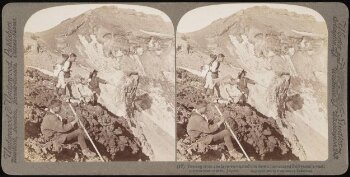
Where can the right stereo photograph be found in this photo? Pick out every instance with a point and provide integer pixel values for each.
(251, 84)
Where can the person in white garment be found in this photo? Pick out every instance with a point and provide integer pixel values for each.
(214, 73)
(63, 72)
(209, 84)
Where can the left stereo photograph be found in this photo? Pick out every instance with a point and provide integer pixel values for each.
(99, 84)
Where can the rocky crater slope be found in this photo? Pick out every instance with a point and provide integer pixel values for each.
(259, 135)
(111, 134)
(286, 54)
(104, 40)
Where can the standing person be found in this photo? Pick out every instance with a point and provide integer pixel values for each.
(188, 48)
(130, 88)
(55, 130)
(38, 48)
(199, 128)
(214, 69)
(242, 85)
(63, 72)
(94, 82)
(206, 73)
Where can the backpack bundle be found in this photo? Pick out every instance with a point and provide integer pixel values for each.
(59, 67)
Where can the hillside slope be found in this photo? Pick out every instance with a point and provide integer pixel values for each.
(114, 41)
(286, 53)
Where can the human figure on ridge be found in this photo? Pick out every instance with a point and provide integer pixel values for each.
(94, 82)
(63, 73)
(242, 85)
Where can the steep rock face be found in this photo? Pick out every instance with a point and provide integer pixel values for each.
(269, 96)
(270, 91)
(106, 66)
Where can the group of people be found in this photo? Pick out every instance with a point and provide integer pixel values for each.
(76, 89)
(57, 130)
(212, 82)
(199, 128)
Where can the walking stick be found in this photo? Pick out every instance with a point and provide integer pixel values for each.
(81, 124)
(233, 134)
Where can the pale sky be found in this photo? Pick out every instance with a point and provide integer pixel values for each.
(201, 17)
(50, 17)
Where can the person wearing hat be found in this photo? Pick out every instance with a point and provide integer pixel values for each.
(199, 128)
(55, 129)
(206, 72)
(94, 82)
(63, 72)
(242, 85)
(130, 88)
(214, 70)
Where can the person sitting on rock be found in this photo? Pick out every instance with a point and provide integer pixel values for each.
(242, 85)
(233, 93)
(199, 129)
(94, 82)
(54, 129)
(81, 93)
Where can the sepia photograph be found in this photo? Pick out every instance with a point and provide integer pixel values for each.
(170, 88)
(99, 84)
(251, 84)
